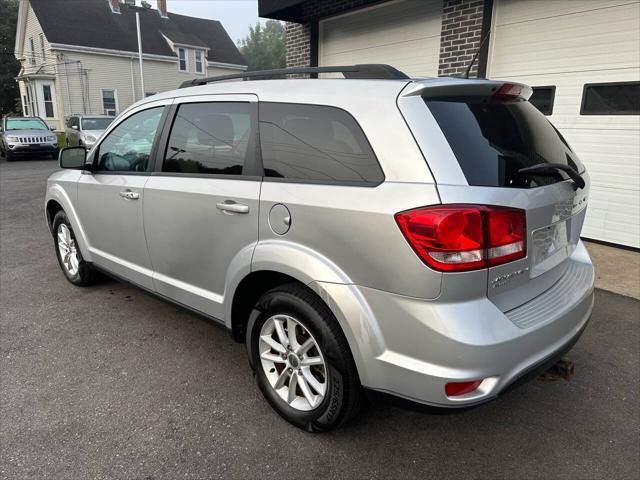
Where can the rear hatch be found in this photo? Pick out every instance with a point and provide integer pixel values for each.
(494, 133)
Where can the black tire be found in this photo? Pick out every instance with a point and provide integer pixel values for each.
(85, 275)
(9, 156)
(343, 397)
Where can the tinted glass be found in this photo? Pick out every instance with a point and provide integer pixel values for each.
(315, 143)
(492, 141)
(26, 124)
(611, 99)
(127, 148)
(210, 138)
(96, 123)
(542, 99)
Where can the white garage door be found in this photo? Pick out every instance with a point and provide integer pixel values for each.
(568, 44)
(404, 33)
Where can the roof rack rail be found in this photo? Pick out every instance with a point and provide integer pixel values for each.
(369, 71)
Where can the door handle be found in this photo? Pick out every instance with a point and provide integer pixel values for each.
(232, 207)
(128, 194)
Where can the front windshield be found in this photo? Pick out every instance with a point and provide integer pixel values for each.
(96, 123)
(26, 124)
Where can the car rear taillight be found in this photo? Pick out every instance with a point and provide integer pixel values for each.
(457, 238)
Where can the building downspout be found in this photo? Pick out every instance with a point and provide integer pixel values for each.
(133, 82)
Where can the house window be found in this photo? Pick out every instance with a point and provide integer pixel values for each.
(109, 103)
(542, 98)
(616, 98)
(199, 61)
(182, 60)
(48, 101)
(42, 49)
(32, 60)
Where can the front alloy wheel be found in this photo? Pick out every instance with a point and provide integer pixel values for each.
(69, 257)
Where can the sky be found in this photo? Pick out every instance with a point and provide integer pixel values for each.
(235, 15)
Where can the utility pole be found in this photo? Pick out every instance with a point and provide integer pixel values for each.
(140, 54)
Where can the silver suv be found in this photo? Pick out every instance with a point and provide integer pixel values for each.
(22, 137)
(417, 237)
(84, 130)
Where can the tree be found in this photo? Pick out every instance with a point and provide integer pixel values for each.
(264, 47)
(9, 66)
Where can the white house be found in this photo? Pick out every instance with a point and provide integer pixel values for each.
(81, 57)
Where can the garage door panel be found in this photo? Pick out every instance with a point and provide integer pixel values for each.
(584, 41)
(569, 44)
(514, 11)
(405, 34)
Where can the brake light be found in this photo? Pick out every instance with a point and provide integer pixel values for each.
(508, 91)
(457, 238)
(454, 389)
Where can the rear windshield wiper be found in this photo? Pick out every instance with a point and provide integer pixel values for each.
(552, 169)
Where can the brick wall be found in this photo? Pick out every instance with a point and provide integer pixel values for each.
(462, 22)
(298, 44)
(461, 36)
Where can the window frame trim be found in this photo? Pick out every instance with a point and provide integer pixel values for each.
(199, 54)
(115, 97)
(553, 98)
(186, 59)
(344, 183)
(603, 84)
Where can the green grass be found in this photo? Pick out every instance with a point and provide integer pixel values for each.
(62, 140)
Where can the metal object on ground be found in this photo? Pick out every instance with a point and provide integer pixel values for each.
(563, 368)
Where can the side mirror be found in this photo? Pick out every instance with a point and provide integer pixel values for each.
(73, 157)
(75, 127)
(53, 129)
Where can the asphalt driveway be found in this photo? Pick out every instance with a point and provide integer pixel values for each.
(110, 382)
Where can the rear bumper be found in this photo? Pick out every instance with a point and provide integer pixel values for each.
(411, 347)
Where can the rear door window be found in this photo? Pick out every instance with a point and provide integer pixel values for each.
(492, 141)
(211, 138)
(316, 144)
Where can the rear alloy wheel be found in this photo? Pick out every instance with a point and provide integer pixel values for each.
(302, 360)
(70, 259)
(292, 362)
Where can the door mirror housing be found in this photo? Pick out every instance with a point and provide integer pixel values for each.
(73, 157)
(53, 129)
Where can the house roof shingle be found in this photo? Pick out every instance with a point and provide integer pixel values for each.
(90, 23)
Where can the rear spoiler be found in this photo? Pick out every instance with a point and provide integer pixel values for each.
(458, 87)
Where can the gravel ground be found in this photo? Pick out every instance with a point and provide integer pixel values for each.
(111, 382)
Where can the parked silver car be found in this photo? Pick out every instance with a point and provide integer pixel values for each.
(84, 130)
(419, 238)
(22, 137)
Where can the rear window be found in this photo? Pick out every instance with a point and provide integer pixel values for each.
(492, 141)
(317, 144)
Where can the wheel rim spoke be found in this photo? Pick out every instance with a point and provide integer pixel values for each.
(310, 361)
(282, 336)
(272, 357)
(306, 391)
(304, 348)
(313, 381)
(291, 330)
(284, 376)
(291, 393)
(273, 343)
